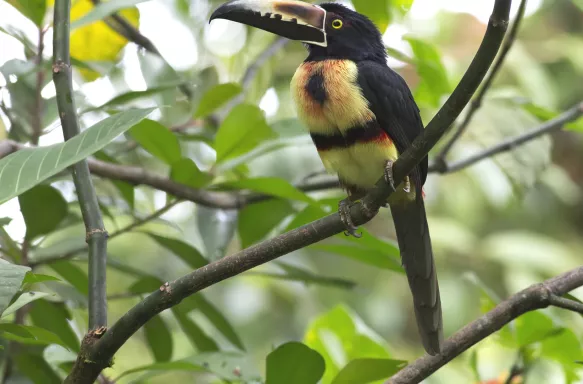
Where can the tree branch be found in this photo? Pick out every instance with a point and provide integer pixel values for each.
(37, 117)
(568, 304)
(96, 353)
(96, 234)
(136, 224)
(476, 103)
(535, 297)
(124, 28)
(223, 200)
(509, 144)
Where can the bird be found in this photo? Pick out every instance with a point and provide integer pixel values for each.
(361, 115)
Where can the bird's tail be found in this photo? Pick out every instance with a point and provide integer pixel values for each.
(417, 258)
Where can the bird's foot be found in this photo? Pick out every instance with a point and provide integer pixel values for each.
(389, 174)
(344, 212)
(407, 187)
(390, 179)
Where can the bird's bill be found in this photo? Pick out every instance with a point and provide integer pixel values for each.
(294, 20)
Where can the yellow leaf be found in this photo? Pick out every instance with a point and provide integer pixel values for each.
(97, 41)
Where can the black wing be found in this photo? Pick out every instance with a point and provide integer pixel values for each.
(392, 103)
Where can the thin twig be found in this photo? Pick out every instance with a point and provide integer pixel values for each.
(96, 234)
(509, 144)
(518, 368)
(38, 100)
(124, 28)
(96, 354)
(535, 297)
(567, 304)
(476, 103)
(138, 223)
(249, 75)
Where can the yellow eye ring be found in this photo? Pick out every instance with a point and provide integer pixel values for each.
(337, 24)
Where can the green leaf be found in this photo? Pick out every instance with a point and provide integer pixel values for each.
(158, 140)
(166, 367)
(159, 338)
(34, 278)
(234, 367)
(377, 11)
(23, 299)
(257, 220)
(5, 221)
(135, 95)
(36, 369)
(32, 9)
(213, 314)
(396, 54)
(545, 114)
(194, 333)
(30, 334)
(294, 363)
(11, 277)
(299, 274)
(216, 97)
(434, 78)
(103, 10)
(53, 317)
(402, 6)
(185, 251)
(579, 3)
(126, 190)
(307, 215)
(28, 167)
(364, 255)
(334, 335)
(532, 327)
(185, 171)
(146, 285)
(43, 208)
(363, 371)
(272, 186)
(564, 348)
(72, 274)
(243, 129)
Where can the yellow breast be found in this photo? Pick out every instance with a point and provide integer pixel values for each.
(342, 108)
(345, 106)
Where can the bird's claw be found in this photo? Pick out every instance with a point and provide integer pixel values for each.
(389, 174)
(407, 187)
(390, 179)
(344, 211)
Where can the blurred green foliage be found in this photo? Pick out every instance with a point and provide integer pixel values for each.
(338, 312)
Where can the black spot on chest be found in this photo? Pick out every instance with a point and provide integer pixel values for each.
(315, 87)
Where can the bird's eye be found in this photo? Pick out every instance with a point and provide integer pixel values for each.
(337, 24)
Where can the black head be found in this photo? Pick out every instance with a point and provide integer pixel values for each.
(350, 35)
(329, 30)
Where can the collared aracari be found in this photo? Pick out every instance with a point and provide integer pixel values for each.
(360, 115)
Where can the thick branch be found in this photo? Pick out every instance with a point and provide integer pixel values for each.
(95, 356)
(95, 232)
(535, 297)
(476, 103)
